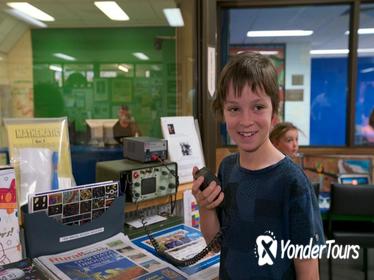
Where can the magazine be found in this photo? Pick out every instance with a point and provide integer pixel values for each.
(184, 145)
(114, 258)
(183, 242)
(23, 269)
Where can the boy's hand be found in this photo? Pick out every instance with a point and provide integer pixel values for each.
(211, 197)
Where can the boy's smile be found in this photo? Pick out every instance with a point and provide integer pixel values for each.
(248, 118)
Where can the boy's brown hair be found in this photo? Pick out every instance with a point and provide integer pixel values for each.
(248, 68)
(280, 129)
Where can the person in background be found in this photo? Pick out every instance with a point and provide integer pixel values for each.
(285, 137)
(368, 130)
(126, 125)
(263, 196)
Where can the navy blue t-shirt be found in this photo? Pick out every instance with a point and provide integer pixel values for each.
(276, 203)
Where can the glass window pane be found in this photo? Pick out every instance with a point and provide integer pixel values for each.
(364, 132)
(141, 77)
(88, 68)
(313, 87)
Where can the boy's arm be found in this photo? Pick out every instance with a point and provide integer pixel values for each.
(306, 269)
(207, 200)
(209, 223)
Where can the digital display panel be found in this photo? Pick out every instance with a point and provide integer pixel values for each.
(354, 179)
(148, 185)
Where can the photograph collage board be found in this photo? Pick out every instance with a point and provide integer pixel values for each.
(77, 205)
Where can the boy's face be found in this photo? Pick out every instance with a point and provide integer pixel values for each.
(248, 118)
(289, 143)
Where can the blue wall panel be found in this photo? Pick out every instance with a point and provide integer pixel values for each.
(328, 101)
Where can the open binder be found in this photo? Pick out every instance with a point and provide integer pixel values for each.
(45, 236)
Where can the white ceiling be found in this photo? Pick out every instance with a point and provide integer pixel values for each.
(10, 31)
(329, 23)
(81, 14)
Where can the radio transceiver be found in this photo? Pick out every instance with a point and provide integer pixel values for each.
(140, 181)
(145, 149)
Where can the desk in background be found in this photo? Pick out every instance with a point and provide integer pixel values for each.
(83, 160)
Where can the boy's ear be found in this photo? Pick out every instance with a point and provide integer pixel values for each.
(274, 120)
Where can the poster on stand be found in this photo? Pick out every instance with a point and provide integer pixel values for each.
(184, 145)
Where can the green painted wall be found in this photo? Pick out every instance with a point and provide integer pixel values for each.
(92, 87)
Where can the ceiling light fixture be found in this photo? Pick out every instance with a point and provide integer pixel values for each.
(362, 31)
(30, 10)
(123, 68)
(141, 56)
(26, 18)
(367, 70)
(365, 50)
(340, 51)
(279, 33)
(155, 67)
(112, 10)
(332, 51)
(55, 68)
(64, 56)
(269, 52)
(108, 74)
(262, 52)
(174, 17)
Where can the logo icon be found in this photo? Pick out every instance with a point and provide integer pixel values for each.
(266, 248)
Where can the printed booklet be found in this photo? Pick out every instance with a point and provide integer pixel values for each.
(39, 148)
(115, 258)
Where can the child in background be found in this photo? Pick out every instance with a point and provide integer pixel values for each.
(285, 137)
(368, 130)
(265, 197)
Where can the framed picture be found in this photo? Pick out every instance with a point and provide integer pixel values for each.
(122, 90)
(100, 90)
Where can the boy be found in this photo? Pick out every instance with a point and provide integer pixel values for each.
(265, 197)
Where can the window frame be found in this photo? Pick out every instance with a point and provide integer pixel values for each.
(354, 22)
